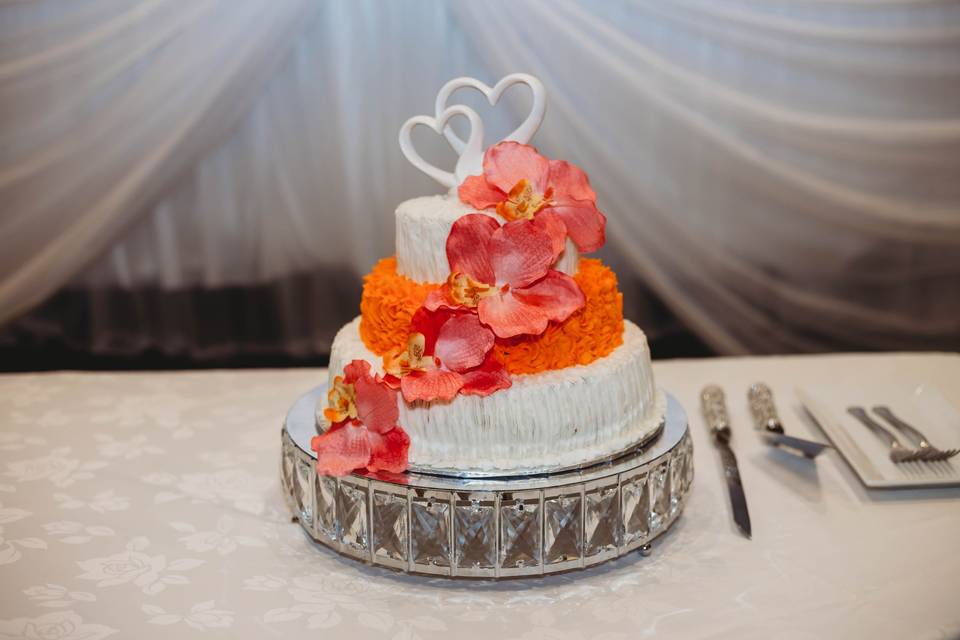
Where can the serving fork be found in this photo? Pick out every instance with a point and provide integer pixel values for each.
(898, 452)
(927, 451)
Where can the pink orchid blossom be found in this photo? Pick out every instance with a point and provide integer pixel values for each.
(503, 272)
(364, 433)
(523, 185)
(449, 352)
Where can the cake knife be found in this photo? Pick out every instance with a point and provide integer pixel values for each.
(715, 412)
(765, 419)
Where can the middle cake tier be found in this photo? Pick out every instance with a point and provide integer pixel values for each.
(551, 420)
(390, 300)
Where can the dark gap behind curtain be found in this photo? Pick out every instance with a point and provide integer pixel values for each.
(288, 322)
(285, 322)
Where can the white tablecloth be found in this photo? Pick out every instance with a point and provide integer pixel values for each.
(145, 505)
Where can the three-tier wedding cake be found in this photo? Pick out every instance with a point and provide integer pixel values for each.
(489, 345)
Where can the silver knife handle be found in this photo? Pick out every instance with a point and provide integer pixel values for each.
(714, 407)
(763, 409)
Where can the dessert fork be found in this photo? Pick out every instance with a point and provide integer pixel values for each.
(898, 452)
(928, 451)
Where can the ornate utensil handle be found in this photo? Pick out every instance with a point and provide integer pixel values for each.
(764, 410)
(714, 406)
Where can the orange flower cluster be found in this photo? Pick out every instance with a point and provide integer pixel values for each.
(390, 300)
(388, 304)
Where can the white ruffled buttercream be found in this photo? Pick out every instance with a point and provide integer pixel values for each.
(423, 225)
(553, 419)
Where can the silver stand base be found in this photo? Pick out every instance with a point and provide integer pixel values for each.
(490, 527)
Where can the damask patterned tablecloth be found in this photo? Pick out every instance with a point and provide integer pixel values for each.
(145, 505)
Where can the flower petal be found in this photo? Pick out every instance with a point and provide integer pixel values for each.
(477, 192)
(463, 342)
(390, 380)
(434, 384)
(467, 246)
(485, 379)
(341, 449)
(389, 451)
(557, 295)
(553, 226)
(510, 316)
(586, 226)
(428, 322)
(355, 370)
(439, 299)
(520, 253)
(376, 405)
(569, 182)
(507, 163)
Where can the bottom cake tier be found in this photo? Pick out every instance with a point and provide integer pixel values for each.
(544, 422)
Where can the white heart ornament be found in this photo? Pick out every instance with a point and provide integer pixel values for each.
(522, 134)
(471, 155)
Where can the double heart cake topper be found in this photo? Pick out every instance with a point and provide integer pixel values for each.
(470, 160)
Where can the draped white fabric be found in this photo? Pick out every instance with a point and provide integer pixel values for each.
(106, 103)
(783, 175)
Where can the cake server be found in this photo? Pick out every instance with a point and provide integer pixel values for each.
(767, 421)
(715, 412)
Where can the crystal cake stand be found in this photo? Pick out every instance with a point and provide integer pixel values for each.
(490, 527)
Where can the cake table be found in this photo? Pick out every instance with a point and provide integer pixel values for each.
(148, 505)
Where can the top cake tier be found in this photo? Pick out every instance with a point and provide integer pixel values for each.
(423, 225)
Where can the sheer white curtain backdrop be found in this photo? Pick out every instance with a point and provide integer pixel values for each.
(785, 175)
(104, 104)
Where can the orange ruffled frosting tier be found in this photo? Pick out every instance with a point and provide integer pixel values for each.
(390, 300)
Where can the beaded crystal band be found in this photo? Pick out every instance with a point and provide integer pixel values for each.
(490, 528)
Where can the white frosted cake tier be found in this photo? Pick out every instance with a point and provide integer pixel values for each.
(550, 420)
(423, 225)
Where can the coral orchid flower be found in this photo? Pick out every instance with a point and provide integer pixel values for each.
(364, 433)
(524, 185)
(449, 352)
(504, 273)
